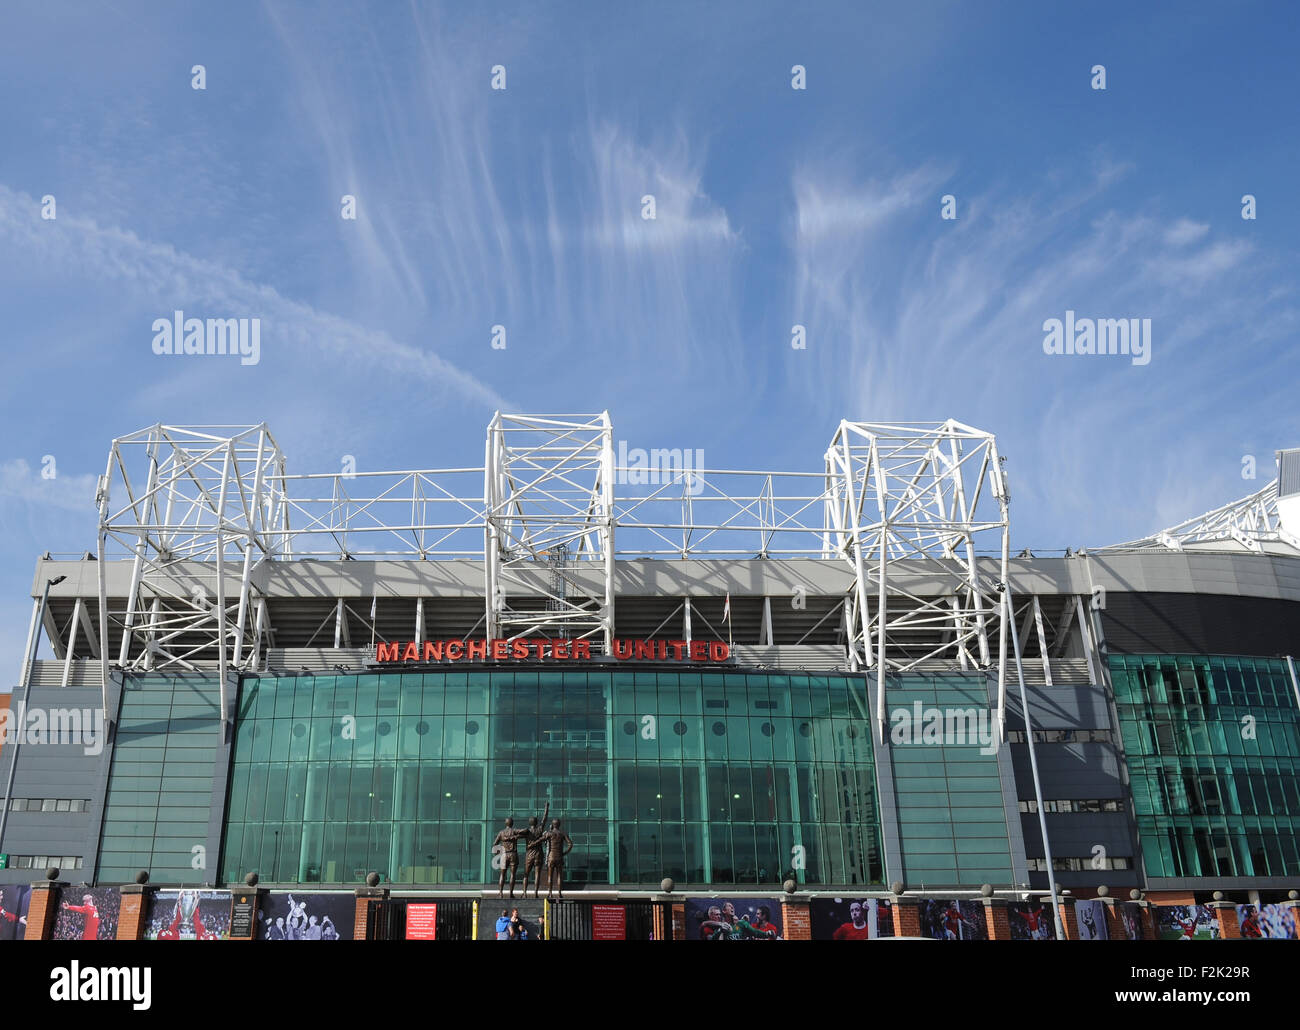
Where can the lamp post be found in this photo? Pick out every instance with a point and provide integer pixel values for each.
(22, 711)
(1033, 762)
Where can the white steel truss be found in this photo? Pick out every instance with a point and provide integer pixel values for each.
(197, 510)
(914, 498)
(1248, 523)
(196, 507)
(548, 507)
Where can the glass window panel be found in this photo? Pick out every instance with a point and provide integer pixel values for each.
(456, 694)
(276, 778)
(434, 688)
(280, 732)
(359, 791)
(367, 697)
(357, 850)
(741, 787)
(282, 705)
(476, 693)
(255, 795)
(307, 701)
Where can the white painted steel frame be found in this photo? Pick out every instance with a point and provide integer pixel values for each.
(214, 502)
(1248, 524)
(907, 496)
(548, 489)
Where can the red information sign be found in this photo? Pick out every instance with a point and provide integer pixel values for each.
(422, 922)
(608, 923)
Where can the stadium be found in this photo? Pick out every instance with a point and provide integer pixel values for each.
(751, 683)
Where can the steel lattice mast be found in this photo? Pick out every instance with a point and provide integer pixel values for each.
(915, 497)
(548, 502)
(204, 510)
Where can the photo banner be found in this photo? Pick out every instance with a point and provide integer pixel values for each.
(1186, 923)
(306, 917)
(952, 920)
(14, 902)
(1091, 917)
(87, 914)
(850, 919)
(1267, 922)
(733, 919)
(188, 915)
(1031, 921)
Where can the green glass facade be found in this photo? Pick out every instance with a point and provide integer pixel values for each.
(159, 796)
(708, 778)
(952, 812)
(1213, 749)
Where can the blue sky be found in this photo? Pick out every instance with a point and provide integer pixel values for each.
(775, 207)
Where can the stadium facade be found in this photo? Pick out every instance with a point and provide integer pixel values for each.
(726, 678)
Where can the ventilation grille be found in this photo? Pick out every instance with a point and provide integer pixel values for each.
(1288, 473)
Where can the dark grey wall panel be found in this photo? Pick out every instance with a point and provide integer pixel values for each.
(1072, 771)
(1174, 623)
(1070, 707)
(50, 770)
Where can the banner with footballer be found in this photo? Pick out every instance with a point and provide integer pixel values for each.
(850, 919)
(733, 919)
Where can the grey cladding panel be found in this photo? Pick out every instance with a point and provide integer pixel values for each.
(1200, 624)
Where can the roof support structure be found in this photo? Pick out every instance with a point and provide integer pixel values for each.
(206, 500)
(1246, 524)
(910, 495)
(199, 510)
(548, 499)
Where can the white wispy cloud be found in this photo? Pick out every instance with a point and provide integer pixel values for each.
(20, 482)
(462, 224)
(80, 248)
(1192, 271)
(910, 317)
(1185, 231)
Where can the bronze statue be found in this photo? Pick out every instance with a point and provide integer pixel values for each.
(508, 839)
(556, 839)
(534, 839)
